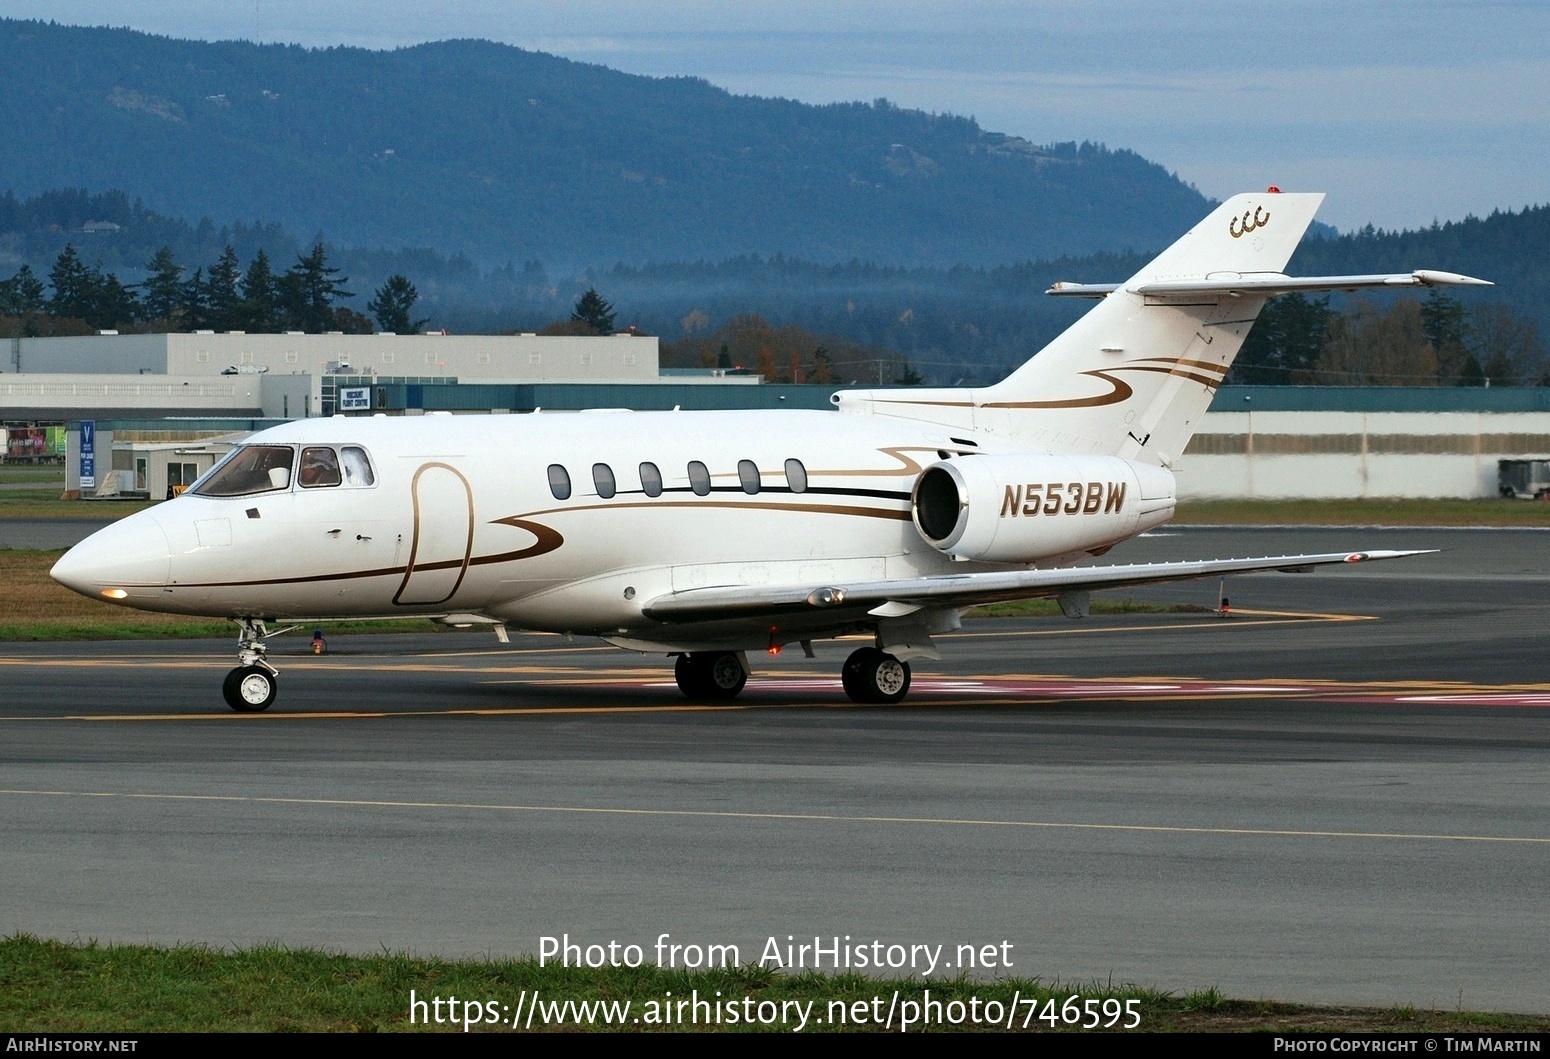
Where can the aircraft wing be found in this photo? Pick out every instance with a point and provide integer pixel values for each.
(970, 589)
(1272, 283)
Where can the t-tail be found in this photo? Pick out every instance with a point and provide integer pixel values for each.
(1134, 376)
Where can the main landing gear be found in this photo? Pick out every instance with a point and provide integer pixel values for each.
(870, 676)
(712, 675)
(252, 686)
(875, 677)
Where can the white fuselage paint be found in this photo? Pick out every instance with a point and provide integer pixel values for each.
(461, 519)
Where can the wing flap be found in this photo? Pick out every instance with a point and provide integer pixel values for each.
(971, 589)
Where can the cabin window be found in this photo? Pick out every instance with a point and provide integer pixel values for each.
(796, 476)
(251, 469)
(319, 468)
(699, 478)
(559, 482)
(650, 479)
(357, 466)
(603, 480)
(748, 475)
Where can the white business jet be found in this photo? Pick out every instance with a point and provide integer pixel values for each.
(708, 535)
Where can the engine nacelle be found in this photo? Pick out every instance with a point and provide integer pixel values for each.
(1026, 507)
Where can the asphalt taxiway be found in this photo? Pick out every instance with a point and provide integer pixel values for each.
(1338, 794)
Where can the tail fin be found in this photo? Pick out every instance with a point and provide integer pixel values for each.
(1133, 377)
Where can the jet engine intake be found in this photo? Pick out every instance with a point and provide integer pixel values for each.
(1022, 508)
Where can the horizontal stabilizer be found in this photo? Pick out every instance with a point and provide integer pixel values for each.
(972, 589)
(1267, 284)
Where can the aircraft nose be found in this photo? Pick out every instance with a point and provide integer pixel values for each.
(117, 560)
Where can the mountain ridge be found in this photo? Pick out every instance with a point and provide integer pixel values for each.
(509, 155)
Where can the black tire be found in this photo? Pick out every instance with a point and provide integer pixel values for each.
(853, 673)
(710, 675)
(874, 677)
(250, 689)
(690, 675)
(725, 676)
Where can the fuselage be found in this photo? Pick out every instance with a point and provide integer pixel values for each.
(563, 522)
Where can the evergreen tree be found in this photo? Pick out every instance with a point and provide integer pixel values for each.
(21, 294)
(261, 308)
(161, 295)
(391, 306)
(113, 303)
(195, 303)
(1444, 323)
(1284, 344)
(593, 311)
(72, 284)
(222, 298)
(83, 292)
(310, 288)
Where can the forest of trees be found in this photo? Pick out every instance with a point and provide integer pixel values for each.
(80, 298)
(1404, 342)
(79, 261)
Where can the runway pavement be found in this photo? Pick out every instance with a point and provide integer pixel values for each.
(1338, 794)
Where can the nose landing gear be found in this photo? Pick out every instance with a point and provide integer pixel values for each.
(253, 685)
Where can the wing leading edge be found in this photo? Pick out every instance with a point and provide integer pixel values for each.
(970, 589)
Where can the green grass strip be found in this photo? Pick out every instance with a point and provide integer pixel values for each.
(50, 986)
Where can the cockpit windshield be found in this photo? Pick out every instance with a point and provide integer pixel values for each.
(251, 469)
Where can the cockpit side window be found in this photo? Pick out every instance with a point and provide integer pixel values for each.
(319, 467)
(251, 469)
(357, 466)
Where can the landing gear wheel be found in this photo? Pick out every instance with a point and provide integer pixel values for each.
(725, 676)
(688, 674)
(872, 676)
(249, 689)
(710, 674)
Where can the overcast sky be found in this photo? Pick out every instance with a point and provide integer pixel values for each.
(1403, 112)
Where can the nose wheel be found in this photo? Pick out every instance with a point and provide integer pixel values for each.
(875, 677)
(250, 689)
(253, 685)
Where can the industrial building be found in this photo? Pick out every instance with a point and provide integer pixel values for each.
(164, 406)
(289, 376)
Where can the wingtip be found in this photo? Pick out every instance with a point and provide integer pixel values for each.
(1432, 277)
